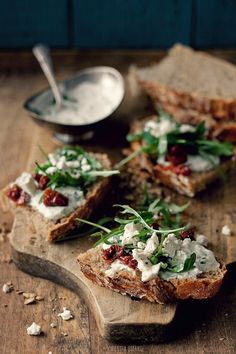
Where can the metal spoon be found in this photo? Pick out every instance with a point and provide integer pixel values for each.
(42, 54)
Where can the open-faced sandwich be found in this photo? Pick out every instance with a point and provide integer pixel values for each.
(180, 156)
(69, 184)
(148, 254)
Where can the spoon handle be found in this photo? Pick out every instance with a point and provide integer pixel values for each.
(42, 54)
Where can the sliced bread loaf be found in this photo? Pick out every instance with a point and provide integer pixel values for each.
(192, 80)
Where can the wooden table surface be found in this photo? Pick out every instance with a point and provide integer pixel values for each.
(202, 327)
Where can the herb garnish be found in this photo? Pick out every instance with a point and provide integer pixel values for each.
(70, 175)
(159, 217)
(194, 142)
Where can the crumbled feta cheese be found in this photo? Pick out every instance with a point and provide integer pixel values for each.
(159, 128)
(202, 240)
(148, 270)
(226, 230)
(171, 244)
(130, 231)
(198, 164)
(186, 128)
(152, 243)
(27, 183)
(34, 330)
(51, 170)
(141, 245)
(7, 288)
(66, 314)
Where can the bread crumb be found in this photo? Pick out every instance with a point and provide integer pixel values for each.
(53, 325)
(34, 330)
(8, 287)
(226, 230)
(222, 338)
(66, 314)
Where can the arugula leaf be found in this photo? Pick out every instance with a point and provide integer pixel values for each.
(189, 262)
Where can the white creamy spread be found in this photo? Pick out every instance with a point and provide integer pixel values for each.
(93, 101)
(177, 249)
(116, 267)
(75, 196)
(179, 252)
(198, 164)
(34, 330)
(66, 315)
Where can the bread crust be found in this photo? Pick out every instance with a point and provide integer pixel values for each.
(156, 290)
(186, 185)
(56, 231)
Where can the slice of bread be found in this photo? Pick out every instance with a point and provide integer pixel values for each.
(60, 229)
(156, 290)
(192, 80)
(186, 185)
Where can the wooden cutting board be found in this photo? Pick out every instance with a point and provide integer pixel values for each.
(119, 318)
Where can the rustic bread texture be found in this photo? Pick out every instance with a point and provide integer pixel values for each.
(189, 185)
(192, 80)
(156, 290)
(60, 229)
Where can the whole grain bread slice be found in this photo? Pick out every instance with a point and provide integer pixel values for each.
(186, 185)
(56, 231)
(192, 80)
(156, 290)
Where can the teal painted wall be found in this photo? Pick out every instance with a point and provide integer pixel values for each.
(117, 23)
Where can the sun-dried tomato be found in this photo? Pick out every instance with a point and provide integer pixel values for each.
(176, 155)
(112, 253)
(129, 261)
(53, 198)
(117, 252)
(17, 195)
(182, 170)
(42, 180)
(187, 234)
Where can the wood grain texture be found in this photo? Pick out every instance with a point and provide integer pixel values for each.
(201, 327)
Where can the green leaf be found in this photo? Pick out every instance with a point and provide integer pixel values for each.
(189, 262)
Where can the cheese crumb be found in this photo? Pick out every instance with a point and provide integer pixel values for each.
(202, 240)
(34, 330)
(66, 314)
(7, 288)
(226, 230)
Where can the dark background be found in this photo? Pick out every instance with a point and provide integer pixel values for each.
(118, 23)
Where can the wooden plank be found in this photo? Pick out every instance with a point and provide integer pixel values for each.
(214, 24)
(25, 22)
(202, 327)
(131, 24)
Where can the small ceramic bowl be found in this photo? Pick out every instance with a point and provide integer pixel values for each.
(69, 133)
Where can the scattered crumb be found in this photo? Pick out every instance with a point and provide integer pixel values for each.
(8, 287)
(31, 298)
(66, 314)
(19, 292)
(54, 309)
(64, 334)
(50, 352)
(53, 325)
(5, 305)
(226, 230)
(222, 338)
(34, 330)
